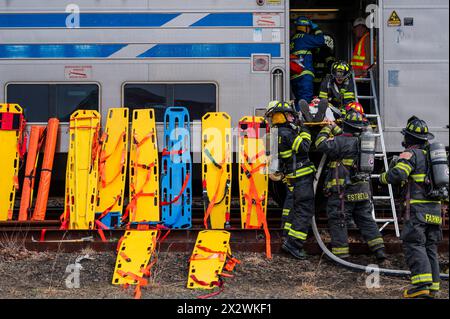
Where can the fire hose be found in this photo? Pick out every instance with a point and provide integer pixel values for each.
(353, 266)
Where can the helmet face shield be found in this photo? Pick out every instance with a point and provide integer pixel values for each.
(303, 28)
(340, 71)
(277, 118)
(280, 113)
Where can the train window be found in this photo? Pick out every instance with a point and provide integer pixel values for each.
(198, 98)
(75, 97)
(42, 101)
(34, 98)
(147, 96)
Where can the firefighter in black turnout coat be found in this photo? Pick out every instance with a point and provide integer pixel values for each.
(347, 189)
(422, 214)
(294, 142)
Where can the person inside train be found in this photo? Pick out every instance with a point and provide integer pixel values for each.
(337, 87)
(361, 60)
(307, 38)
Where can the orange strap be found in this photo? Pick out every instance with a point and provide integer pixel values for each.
(95, 145)
(254, 158)
(16, 182)
(65, 216)
(216, 254)
(183, 188)
(104, 158)
(22, 138)
(165, 152)
(43, 231)
(254, 199)
(218, 283)
(212, 203)
(140, 280)
(231, 263)
(220, 256)
(108, 210)
(124, 256)
(208, 250)
(100, 227)
(133, 202)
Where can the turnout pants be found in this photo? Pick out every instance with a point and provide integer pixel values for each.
(299, 219)
(362, 214)
(303, 88)
(287, 207)
(420, 243)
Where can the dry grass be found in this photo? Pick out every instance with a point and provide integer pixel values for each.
(12, 248)
(87, 251)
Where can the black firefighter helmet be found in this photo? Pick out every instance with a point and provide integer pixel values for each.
(276, 112)
(417, 128)
(356, 120)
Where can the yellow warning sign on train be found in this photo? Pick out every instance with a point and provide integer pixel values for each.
(394, 20)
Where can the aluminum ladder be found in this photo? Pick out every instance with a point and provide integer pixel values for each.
(372, 97)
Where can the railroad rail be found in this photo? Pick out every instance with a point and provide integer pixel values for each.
(46, 235)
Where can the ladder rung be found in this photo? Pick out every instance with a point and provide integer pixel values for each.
(377, 134)
(379, 155)
(362, 79)
(384, 220)
(382, 197)
(372, 116)
(375, 175)
(366, 97)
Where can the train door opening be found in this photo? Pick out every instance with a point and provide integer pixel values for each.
(335, 18)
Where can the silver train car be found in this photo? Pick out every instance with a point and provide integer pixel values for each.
(211, 55)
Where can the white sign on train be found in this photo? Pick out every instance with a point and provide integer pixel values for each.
(82, 72)
(266, 20)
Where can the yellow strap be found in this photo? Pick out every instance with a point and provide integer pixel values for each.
(424, 201)
(297, 234)
(298, 140)
(418, 177)
(307, 72)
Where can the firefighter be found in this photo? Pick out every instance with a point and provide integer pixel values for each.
(362, 51)
(422, 219)
(294, 142)
(278, 176)
(324, 57)
(307, 38)
(347, 189)
(338, 87)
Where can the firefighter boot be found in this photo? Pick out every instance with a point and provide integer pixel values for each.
(416, 292)
(380, 254)
(304, 108)
(290, 247)
(320, 115)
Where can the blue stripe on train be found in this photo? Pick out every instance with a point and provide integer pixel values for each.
(57, 51)
(226, 20)
(86, 51)
(117, 20)
(211, 50)
(87, 20)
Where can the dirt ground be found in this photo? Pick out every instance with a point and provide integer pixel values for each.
(28, 274)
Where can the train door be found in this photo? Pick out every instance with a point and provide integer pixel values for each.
(334, 18)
